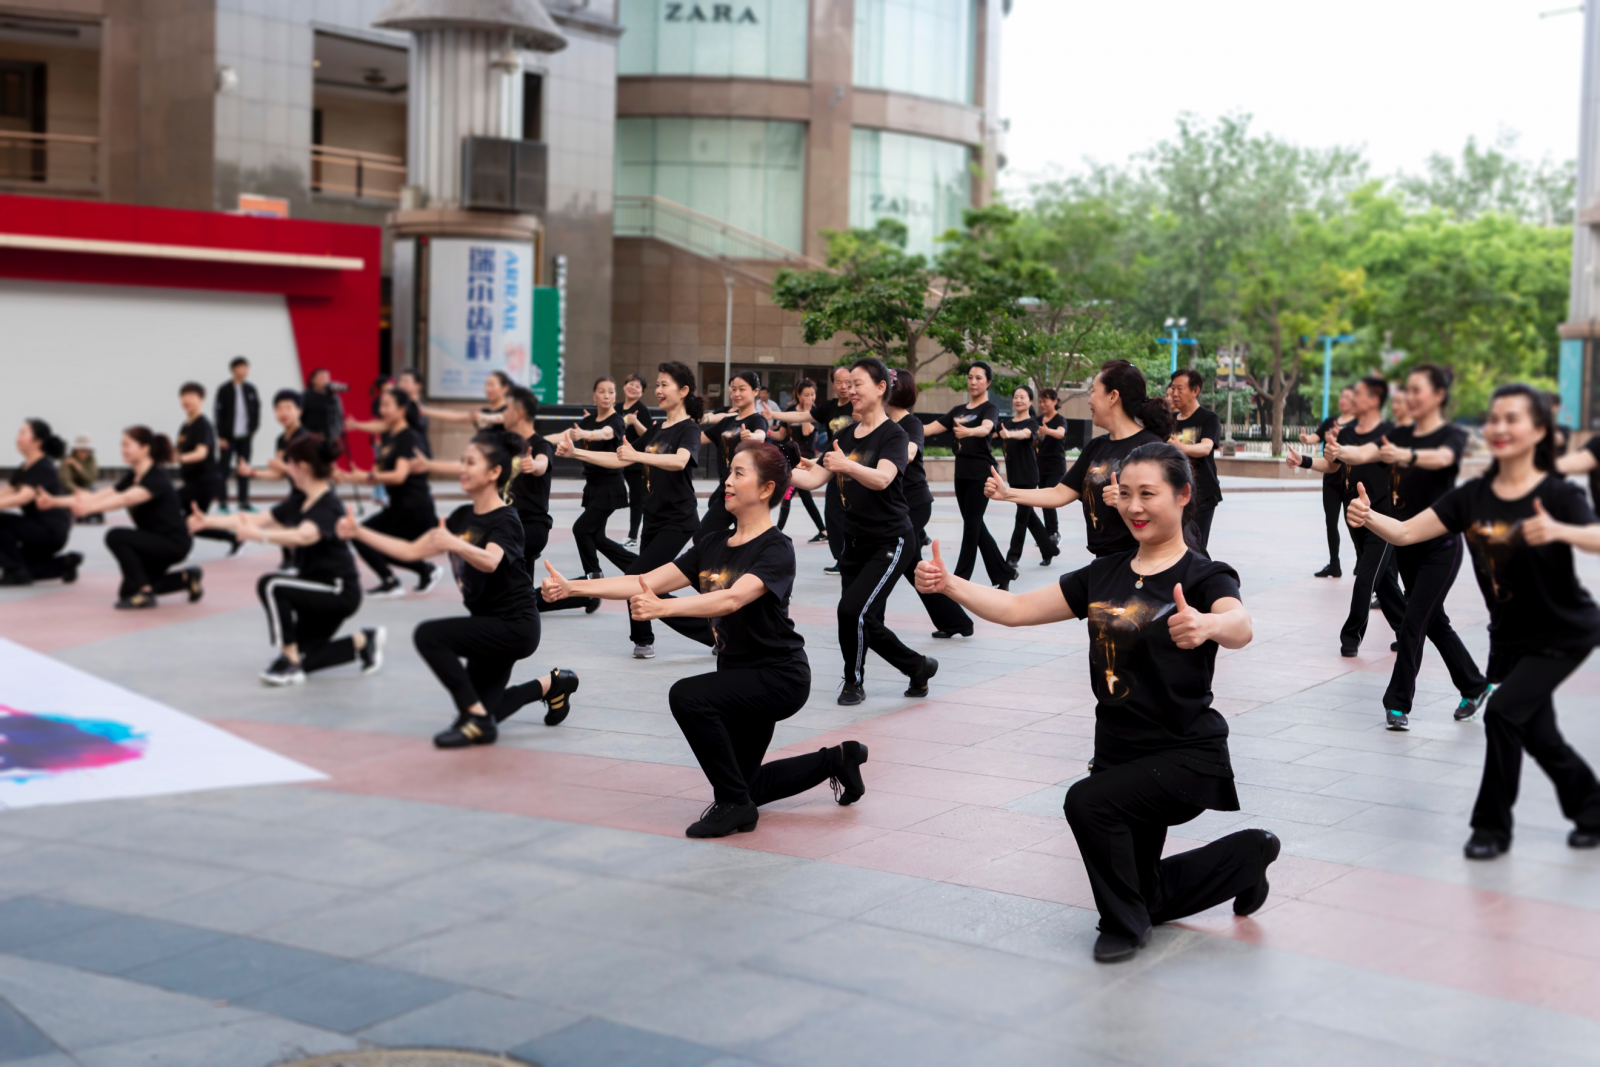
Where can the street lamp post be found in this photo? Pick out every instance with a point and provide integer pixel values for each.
(1176, 326)
(1328, 341)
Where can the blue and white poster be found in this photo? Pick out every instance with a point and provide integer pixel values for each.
(480, 314)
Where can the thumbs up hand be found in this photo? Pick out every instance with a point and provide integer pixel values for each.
(196, 518)
(931, 573)
(645, 605)
(835, 459)
(555, 587)
(1356, 512)
(1112, 493)
(995, 488)
(1330, 449)
(1189, 628)
(1541, 529)
(1291, 458)
(1388, 453)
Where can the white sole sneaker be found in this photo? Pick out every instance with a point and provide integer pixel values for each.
(280, 681)
(376, 642)
(644, 651)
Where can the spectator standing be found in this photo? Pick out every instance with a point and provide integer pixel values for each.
(237, 410)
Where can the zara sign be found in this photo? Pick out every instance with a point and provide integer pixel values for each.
(718, 13)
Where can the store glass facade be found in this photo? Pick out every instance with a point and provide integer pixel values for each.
(926, 47)
(740, 38)
(922, 182)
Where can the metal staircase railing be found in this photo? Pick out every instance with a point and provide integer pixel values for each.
(688, 229)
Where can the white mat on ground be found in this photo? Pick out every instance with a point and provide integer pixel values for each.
(67, 736)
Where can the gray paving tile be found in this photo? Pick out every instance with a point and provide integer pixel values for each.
(233, 967)
(367, 925)
(28, 921)
(251, 1043)
(20, 1039)
(1278, 1041)
(121, 945)
(1398, 792)
(1312, 808)
(598, 1043)
(348, 998)
(472, 1020)
(253, 903)
(959, 913)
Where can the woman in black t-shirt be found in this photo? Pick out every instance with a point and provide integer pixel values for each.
(972, 424)
(948, 618)
(159, 539)
(1018, 436)
(604, 490)
(473, 656)
(869, 459)
(724, 431)
(636, 421)
(1119, 402)
(1157, 615)
(306, 608)
(1052, 453)
(744, 579)
(196, 449)
(1332, 487)
(30, 541)
(401, 466)
(1521, 523)
(804, 436)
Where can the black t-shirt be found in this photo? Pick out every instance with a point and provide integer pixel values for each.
(412, 495)
(593, 472)
(760, 634)
(1052, 451)
(1375, 476)
(640, 412)
(915, 478)
(1152, 698)
(1593, 447)
(1022, 457)
(191, 435)
(1201, 426)
(726, 437)
(973, 458)
(507, 591)
(805, 442)
(1412, 489)
(44, 478)
(281, 445)
(1330, 423)
(1534, 597)
(330, 559)
(530, 493)
(1089, 477)
(874, 514)
(836, 414)
(670, 494)
(162, 514)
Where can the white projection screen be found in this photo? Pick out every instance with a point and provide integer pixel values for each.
(92, 359)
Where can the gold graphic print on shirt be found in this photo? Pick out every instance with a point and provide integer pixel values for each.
(654, 448)
(1098, 478)
(710, 582)
(1190, 435)
(471, 537)
(855, 455)
(1114, 627)
(1492, 545)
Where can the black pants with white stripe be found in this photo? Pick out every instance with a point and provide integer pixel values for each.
(307, 613)
(868, 570)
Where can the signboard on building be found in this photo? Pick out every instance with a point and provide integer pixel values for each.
(480, 314)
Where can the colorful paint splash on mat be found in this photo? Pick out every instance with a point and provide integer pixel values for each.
(33, 746)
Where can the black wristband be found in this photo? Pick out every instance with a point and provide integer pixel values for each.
(1305, 461)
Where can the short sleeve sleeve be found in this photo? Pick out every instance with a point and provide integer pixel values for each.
(774, 565)
(284, 512)
(458, 519)
(125, 482)
(1075, 588)
(689, 563)
(1456, 442)
(405, 445)
(1455, 507)
(505, 531)
(689, 437)
(1213, 429)
(1217, 581)
(1079, 471)
(894, 447)
(1567, 503)
(915, 434)
(325, 516)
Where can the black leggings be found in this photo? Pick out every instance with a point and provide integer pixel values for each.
(307, 614)
(201, 496)
(535, 536)
(1050, 476)
(728, 717)
(946, 614)
(1375, 573)
(659, 544)
(833, 515)
(491, 647)
(811, 509)
(145, 559)
(232, 451)
(867, 573)
(975, 536)
(1119, 816)
(1027, 520)
(29, 546)
(1203, 514)
(600, 500)
(1333, 516)
(717, 517)
(1429, 570)
(634, 476)
(1521, 716)
(406, 525)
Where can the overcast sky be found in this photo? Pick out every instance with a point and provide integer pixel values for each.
(1102, 79)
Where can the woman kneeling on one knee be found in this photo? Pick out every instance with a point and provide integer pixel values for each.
(1156, 618)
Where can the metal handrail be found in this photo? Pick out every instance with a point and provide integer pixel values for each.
(328, 156)
(666, 220)
(354, 153)
(64, 161)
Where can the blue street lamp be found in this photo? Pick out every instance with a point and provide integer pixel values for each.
(1175, 326)
(1328, 341)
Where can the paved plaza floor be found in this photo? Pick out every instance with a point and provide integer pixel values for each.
(539, 898)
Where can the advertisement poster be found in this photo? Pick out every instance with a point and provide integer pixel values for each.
(480, 314)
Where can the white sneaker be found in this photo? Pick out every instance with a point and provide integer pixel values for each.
(371, 654)
(430, 579)
(282, 673)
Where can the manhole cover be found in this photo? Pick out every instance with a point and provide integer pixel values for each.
(410, 1057)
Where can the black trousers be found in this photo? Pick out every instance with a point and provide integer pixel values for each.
(406, 525)
(867, 573)
(811, 509)
(975, 536)
(1027, 520)
(29, 546)
(145, 559)
(1333, 517)
(945, 613)
(535, 536)
(717, 517)
(728, 718)
(473, 655)
(201, 495)
(1429, 570)
(232, 451)
(833, 515)
(634, 476)
(1119, 816)
(1375, 573)
(600, 500)
(659, 544)
(307, 614)
(1203, 514)
(1521, 716)
(1050, 475)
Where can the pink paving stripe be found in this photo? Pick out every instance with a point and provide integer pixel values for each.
(945, 825)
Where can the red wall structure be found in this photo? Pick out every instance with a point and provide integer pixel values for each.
(335, 313)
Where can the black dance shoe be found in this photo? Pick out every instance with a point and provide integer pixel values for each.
(1481, 846)
(1330, 571)
(466, 731)
(953, 633)
(70, 562)
(1579, 838)
(563, 683)
(919, 677)
(592, 606)
(1349, 651)
(846, 781)
(1118, 948)
(725, 817)
(1048, 554)
(371, 654)
(820, 539)
(136, 602)
(852, 694)
(191, 581)
(1249, 902)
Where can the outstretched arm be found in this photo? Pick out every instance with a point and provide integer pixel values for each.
(644, 604)
(1057, 496)
(664, 579)
(1421, 527)
(1008, 609)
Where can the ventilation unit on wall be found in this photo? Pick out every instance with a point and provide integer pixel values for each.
(501, 174)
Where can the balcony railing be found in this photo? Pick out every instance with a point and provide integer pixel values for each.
(658, 217)
(364, 175)
(59, 161)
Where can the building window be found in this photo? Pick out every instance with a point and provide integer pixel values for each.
(924, 47)
(739, 38)
(533, 107)
(923, 183)
(745, 173)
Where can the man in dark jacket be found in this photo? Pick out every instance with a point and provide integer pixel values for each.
(237, 411)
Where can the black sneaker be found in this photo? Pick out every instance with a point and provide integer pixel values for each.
(832, 568)
(852, 694)
(563, 683)
(430, 578)
(136, 602)
(1349, 651)
(1330, 571)
(70, 562)
(725, 817)
(1249, 902)
(390, 586)
(918, 686)
(371, 654)
(1581, 838)
(1048, 554)
(1482, 846)
(592, 606)
(1396, 720)
(191, 580)
(1468, 708)
(946, 634)
(1118, 948)
(235, 547)
(846, 781)
(820, 539)
(282, 673)
(466, 731)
